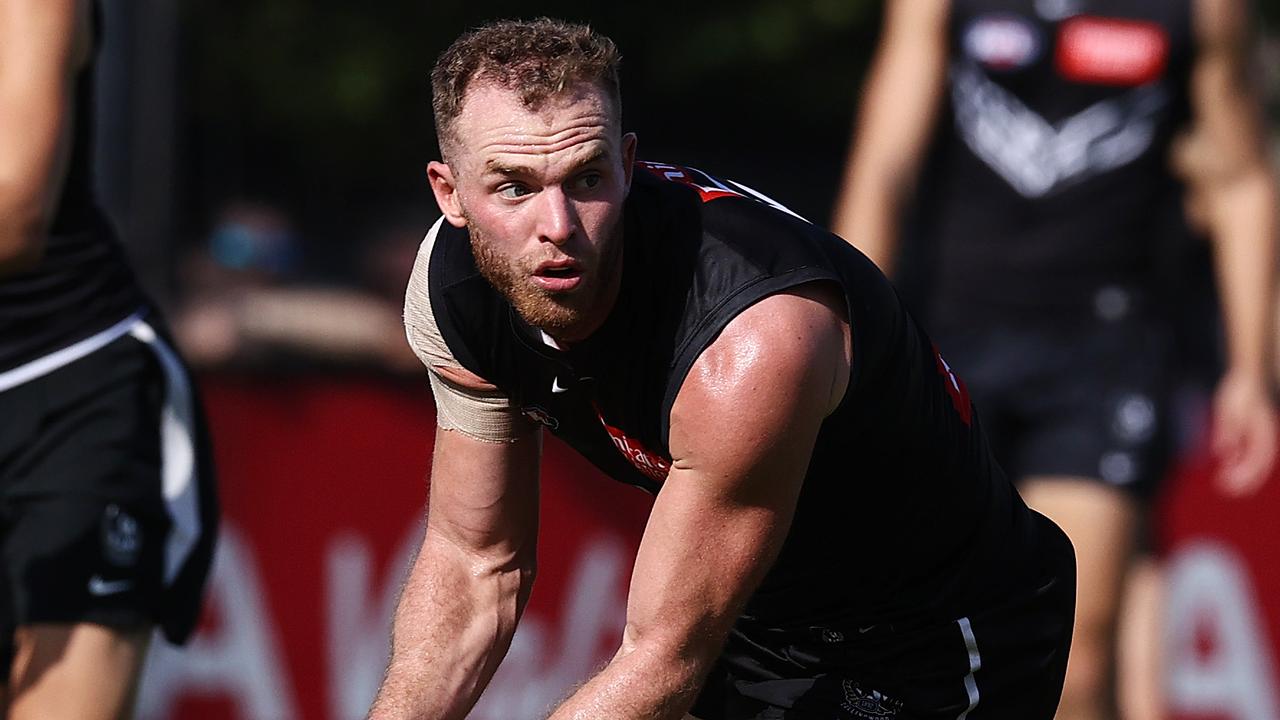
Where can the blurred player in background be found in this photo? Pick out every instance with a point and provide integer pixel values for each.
(107, 512)
(830, 538)
(1045, 129)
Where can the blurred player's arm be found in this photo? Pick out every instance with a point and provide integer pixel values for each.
(899, 107)
(741, 440)
(43, 43)
(1239, 194)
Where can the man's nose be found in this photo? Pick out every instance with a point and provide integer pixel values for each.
(558, 219)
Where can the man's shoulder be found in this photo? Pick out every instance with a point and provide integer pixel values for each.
(447, 293)
(711, 220)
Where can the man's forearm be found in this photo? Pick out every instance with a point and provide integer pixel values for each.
(645, 683)
(453, 626)
(1244, 227)
(868, 220)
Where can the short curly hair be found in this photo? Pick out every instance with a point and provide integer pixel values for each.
(538, 58)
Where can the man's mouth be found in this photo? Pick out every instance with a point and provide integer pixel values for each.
(558, 276)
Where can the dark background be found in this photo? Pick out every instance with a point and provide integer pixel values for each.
(322, 107)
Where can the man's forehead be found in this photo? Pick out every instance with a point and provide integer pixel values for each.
(497, 125)
(488, 104)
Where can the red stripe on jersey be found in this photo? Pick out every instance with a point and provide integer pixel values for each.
(708, 188)
(955, 388)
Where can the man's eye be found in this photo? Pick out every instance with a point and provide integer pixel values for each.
(513, 192)
(589, 181)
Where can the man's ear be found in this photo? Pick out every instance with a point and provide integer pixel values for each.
(628, 156)
(445, 189)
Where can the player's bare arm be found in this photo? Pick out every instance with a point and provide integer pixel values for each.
(469, 584)
(742, 430)
(1240, 195)
(899, 106)
(42, 45)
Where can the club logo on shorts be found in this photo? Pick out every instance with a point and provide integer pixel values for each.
(121, 536)
(868, 704)
(1002, 41)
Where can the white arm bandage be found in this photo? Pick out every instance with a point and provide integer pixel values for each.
(485, 415)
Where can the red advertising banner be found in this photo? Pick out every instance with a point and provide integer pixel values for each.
(323, 489)
(1222, 601)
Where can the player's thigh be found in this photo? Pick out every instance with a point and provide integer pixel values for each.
(81, 671)
(1101, 522)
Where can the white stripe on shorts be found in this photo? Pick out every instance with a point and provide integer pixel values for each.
(42, 366)
(975, 664)
(177, 454)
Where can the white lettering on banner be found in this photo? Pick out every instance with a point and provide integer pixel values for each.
(1219, 658)
(239, 660)
(359, 620)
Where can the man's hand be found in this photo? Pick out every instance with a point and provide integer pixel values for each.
(1244, 433)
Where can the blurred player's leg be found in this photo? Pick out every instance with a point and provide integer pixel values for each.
(1100, 521)
(1138, 659)
(83, 671)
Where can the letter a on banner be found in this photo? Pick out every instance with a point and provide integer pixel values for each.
(1219, 659)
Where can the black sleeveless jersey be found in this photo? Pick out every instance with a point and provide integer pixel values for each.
(903, 514)
(1051, 164)
(83, 283)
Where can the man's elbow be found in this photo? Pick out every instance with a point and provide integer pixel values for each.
(685, 655)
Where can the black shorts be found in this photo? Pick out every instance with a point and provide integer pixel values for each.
(1089, 401)
(107, 504)
(1005, 660)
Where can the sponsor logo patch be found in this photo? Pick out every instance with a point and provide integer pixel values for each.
(1003, 41)
(649, 463)
(1108, 51)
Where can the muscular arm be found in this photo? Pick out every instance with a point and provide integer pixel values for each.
(42, 45)
(895, 121)
(469, 584)
(1240, 209)
(742, 430)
